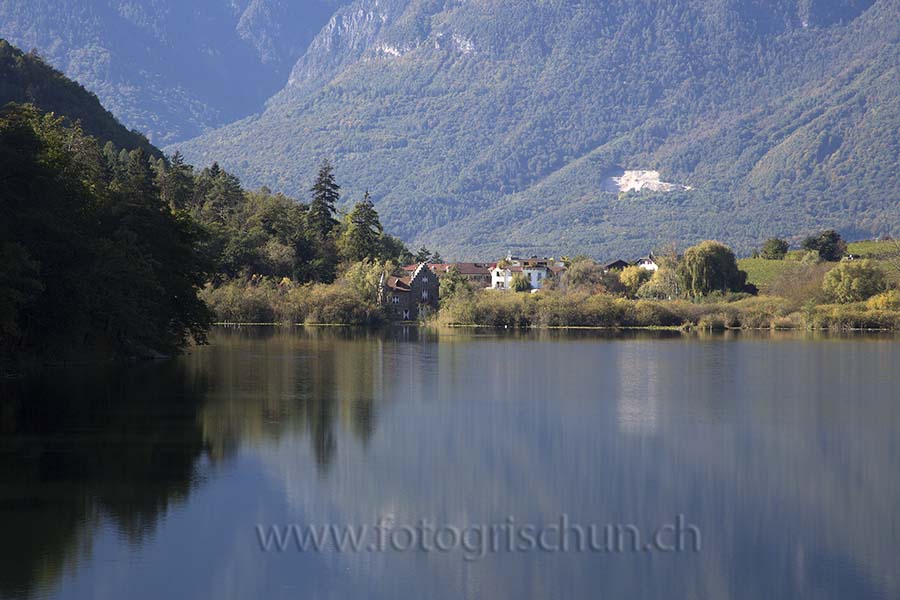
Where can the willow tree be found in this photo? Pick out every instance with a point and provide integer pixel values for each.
(710, 267)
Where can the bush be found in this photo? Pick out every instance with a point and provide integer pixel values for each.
(338, 304)
(828, 244)
(664, 284)
(520, 283)
(854, 316)
(853, 281)
(884, 301)
(632, 278)
(241, 301)
(262, 300)
(800, 282)
(655, 314)
(715, 322)
(774, 249)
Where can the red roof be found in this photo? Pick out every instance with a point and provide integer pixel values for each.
(463, 268)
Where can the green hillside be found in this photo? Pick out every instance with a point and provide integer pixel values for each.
(486, 127)
(170, 68)
(26, 79)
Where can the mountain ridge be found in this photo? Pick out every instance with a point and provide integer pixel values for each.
(170, 69)
(26, 79)
(457, 111)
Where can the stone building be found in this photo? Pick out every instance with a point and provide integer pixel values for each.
(409, 296)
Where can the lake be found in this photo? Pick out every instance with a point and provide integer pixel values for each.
(467, 465)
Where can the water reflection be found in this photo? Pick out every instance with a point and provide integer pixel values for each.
(79, 449)
(781, 448)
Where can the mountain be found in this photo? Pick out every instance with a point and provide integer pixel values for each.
(482, 126)
(25, 78)
(170, 68)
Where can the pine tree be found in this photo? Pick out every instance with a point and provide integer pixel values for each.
(326, 194)
(362, 237)
(176, 182)
(423, 254)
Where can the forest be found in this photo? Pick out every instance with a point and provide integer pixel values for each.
(108, 248)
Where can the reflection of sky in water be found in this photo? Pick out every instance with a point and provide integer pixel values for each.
(782, 451)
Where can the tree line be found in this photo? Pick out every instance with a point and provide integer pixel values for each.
(108, 248)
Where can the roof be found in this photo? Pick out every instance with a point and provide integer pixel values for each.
(615, 263)
(399, 284)
(470, 268)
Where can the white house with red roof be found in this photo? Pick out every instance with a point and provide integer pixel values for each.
(535, 270)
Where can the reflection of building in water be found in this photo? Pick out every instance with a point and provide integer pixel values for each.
(639, 390)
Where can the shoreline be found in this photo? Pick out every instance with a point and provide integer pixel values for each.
(463, 326)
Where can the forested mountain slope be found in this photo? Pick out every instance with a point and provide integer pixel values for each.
(170, 68)
(25, 78)
(483, 126)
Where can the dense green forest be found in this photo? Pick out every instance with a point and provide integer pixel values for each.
(487, 127)
(108, 249)
(90, 256)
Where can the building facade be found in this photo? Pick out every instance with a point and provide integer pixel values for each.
(410, 296)
(478, 274)
(536, 271)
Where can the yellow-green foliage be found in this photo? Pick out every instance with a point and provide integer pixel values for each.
(580, 309)
(885, 301)
(762, 272)
(336, 304)
(632, 278)
(349, 301)
(239, 301)
(853, 316)
(853, 281)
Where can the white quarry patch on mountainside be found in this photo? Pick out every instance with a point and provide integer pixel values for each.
(389, 50)
(463, 44)
(639, 181)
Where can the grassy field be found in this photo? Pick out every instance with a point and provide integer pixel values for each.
(871, 249)
(762, 272)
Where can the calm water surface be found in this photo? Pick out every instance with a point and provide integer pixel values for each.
(150, 481)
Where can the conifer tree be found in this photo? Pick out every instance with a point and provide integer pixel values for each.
(423, 254)
(176, 182)
(326, 194)
(362, 237)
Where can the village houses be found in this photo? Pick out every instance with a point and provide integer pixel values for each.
(536, 271)
(415, 290)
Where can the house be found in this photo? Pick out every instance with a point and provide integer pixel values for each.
(536, 271)
(478, 274)
(648, 263)
(409, 296)
(616, 265)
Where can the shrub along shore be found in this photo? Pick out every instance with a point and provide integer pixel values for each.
(125, 252)
(702, 289)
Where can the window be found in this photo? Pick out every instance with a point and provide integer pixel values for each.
(396, 299)
(425, 279)
(406, 315)
(425, 295)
